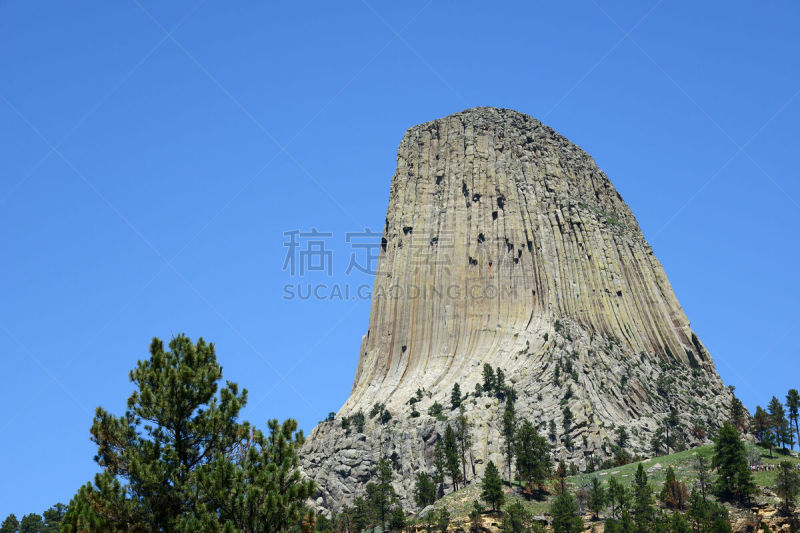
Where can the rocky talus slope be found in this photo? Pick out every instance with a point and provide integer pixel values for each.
(505, 244)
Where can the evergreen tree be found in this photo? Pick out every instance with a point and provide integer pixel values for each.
(492, 487)
(476, 517)
(564, 511)
(702, 469)
(622, 437)
(515, 519)
(567, 425)
(397, 520)
(787, 486)
(380, 494)
(671, 428)
(778, 421)
(533, 456)
(262, 489)
(674, 494)
(452, 455)
(642, 499)
(499, 383)
(597, 497)
(424, 490)
(53, 517)
(178, 459)
(455, 396)
(31, 523)
(793, 406)
(738, 414)
(443, 520)
(10, 524)
(440, 464)
(761, 424)
(509, 432)
(734, 479)
(488, 378)
(464, 440)
(617, 497)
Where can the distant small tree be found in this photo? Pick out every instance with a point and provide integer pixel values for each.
(761, 424)
(424, 490)
(492, 487)
(617, 496)
(674, 494)
(440, 464)
(452, 455)
(488, 378)
(499, 382)
(53, 517)
(31, 523)
(397, 519)
(597, 497)
(567, 425)
(622, 437)
(515, 519)
(443, 520)
(702, 469)
(509, 432)
(778, 421)
(564, 511)
(455, 396)
(533, 456)
(738, 414)
(787, 486)
(793, 406)
(642, 499)
(478, 390)
(464, 439)
(734, 480)
(475, 517)
(380, 493)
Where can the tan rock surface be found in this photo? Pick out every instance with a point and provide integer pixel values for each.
(506, 244)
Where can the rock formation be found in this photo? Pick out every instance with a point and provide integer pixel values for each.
(505, 244)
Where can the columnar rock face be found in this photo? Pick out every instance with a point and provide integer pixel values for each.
(505, 244)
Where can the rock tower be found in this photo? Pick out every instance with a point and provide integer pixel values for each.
(505, 244)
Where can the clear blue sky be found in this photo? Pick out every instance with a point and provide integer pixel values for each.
(152, 154)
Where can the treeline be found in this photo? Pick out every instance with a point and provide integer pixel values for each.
(179, 459)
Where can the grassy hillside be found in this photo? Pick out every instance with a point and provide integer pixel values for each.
(459, 503)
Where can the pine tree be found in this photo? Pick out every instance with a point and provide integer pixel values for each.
(443, 520)
(793, 406)
(642, 499)
(452, 455)
(10, 524)
(564, 511)
(509, 432)
(476, 517)
(31, 523)
(488, 378)
(516, 519)
(738, 415)
(53, 517)
(464, 440)
(674, 494)
(533, 456)
(761, 424)
(499, 383)
(440, 464)
(178, 459)
(380, 494)
(424, 490)
(597, 497)
(455, 396)
(778, 421)
(492, 487)
(734, 480)
(617, 497)
(787, 486)
(567, 425)
(702, 469)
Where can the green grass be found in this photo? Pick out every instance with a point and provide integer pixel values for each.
(459, 503)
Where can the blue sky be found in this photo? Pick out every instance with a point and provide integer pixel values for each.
(153, 154)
